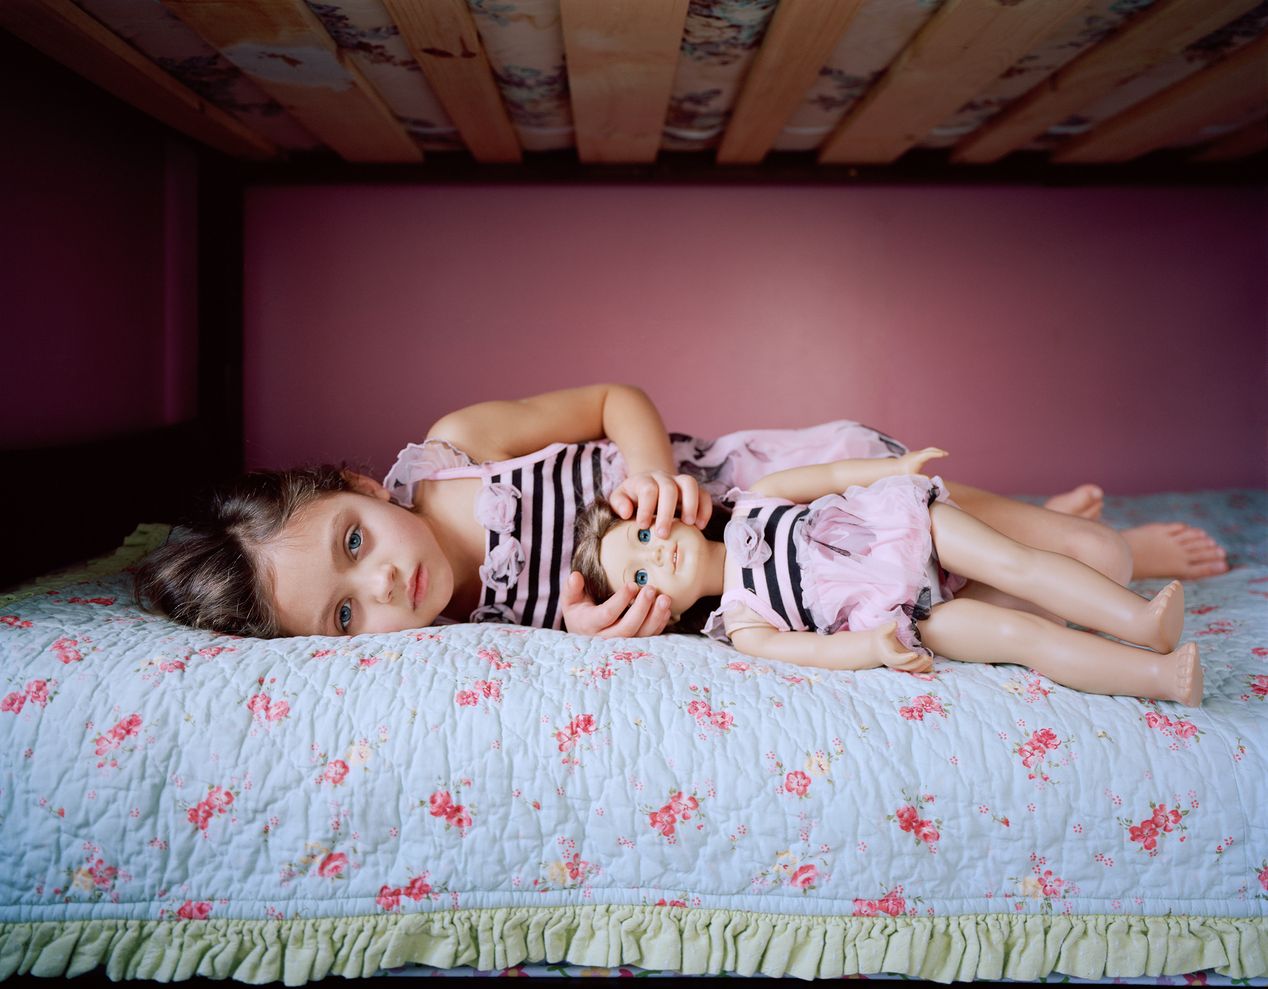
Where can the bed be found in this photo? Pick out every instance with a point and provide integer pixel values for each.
(176, 803)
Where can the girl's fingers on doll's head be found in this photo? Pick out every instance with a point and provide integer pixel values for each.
(688, 499)
(666, 502)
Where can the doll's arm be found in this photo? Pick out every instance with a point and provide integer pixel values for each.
(841, 651)
(805, 484)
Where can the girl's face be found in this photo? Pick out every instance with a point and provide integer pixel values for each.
(679, 565)
(351, 563)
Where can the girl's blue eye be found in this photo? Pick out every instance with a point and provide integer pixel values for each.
(640, 576)
(644, 535)
(354, 540)
(345, 616)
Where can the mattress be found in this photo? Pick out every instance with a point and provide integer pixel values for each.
(480, 797)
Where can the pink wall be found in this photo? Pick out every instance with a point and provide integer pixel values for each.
(97, 253)
(1043, 336)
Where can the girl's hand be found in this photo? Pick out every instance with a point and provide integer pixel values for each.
(891, 652)
(914, 462)
(655, 494)
(648, 612)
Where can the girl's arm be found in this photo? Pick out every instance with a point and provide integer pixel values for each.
(502, 430)
(840, 651)
(805, 484)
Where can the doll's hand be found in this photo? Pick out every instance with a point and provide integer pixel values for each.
(655, 494)
(648, 611)
(892, 653)
(914, 462)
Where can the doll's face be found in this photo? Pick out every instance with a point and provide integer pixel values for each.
(351, 563)
(678, 565)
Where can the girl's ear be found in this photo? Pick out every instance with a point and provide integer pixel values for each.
(365, 485)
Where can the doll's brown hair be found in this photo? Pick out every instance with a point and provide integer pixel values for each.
(594, 522)
(211, 577)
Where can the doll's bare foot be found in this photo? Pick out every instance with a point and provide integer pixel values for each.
(1173, 549)
(1084, 501)
(1186, 676)
(1162, 620)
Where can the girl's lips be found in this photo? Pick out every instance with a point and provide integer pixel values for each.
(418, 586)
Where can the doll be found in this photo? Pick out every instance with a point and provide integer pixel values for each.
(854, 565)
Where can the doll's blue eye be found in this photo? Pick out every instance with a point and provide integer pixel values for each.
(345, 616)
(640, 576)
(354, 540)
(644, 535)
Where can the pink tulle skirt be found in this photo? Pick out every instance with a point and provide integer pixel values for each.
(867, 557)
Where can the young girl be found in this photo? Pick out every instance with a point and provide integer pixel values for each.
(873, 571)
(476, 522)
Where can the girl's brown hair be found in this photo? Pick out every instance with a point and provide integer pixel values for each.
(595, 521)
(212, 578)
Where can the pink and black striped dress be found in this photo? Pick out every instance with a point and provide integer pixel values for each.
(845, 562)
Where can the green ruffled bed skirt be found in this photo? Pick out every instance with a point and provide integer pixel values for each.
(691, 941)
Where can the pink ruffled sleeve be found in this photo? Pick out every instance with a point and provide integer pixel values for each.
(419, 461)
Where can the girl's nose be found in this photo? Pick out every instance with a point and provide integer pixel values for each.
(383, 583)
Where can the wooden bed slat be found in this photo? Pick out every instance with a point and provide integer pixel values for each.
(1250, 140)
(286, 51)
(622, 56)
(964, 47)
(1157, 34)
(801, 37)
(444, 40)
(1229, 89)
(74, 38)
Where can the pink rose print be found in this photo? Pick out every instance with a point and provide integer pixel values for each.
(707, 717)
(583, 724)
(416, 888)
(389, 899)
(13, 621)
(332, 866)
(65, 650)
(467, 698)
(1179, 729)
(336, 772)
(1263, 875)
(909, 820)
(264, 708)
(493, 656)
(106, 601)
(115, 737)
(13, 702)
(797, 782)
(679, 808)
(455, 815)
(1034, 752)
(803, 878)
(1259, 686)
(922, 705)
(217, 801)
(191, 910)
(1149, 831)
(490, 688)
(891, 904)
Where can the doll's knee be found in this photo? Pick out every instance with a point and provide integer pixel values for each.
(1102, 549)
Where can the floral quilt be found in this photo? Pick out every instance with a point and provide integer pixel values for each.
(176, 803)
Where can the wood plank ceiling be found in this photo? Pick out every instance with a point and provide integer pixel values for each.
(623, 81)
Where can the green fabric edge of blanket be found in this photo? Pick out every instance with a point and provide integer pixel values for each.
(687, 940)
(145, 538)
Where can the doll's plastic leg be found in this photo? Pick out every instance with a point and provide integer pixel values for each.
(978, 632)
(1090, 542)
(1062, 585)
